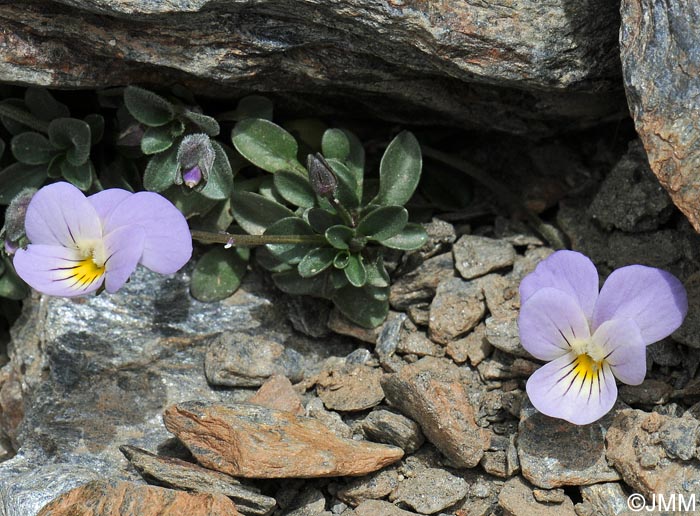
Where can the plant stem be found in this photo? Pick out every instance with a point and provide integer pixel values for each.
(544, 230)
(23, 117)
(255, 240)
(343, 212)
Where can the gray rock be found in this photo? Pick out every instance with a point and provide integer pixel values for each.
(441, 236)
(605, 498)
(390, 428)
(370, 487)
(375, 507)
(316, 410)
(418, 344)
(419, 285)
(549, 495)
(432, 491)
(458, 307)
(649, 392)
(350, 388)
(309, 315)
(502, 333)
(477, 255)
(689, 332)
(309, 502)
(680, 437)
(474, 347)
(517, 499)
(666, 352)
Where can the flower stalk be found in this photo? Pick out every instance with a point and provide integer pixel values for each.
(229, 239)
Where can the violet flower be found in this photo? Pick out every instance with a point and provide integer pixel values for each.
(591, 338)
(79, 243)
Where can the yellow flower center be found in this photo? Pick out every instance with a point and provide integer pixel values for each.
(586, 366)
(87, 271)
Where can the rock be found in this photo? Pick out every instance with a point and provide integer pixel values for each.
(350, 388)
(549, 495)
(441, 236)
(310, 502)
(277, 393)
(555, 453)
(431, 492)
(178, 474)
(309, 315)
(517, 499)
(419, 314)
(376, 507)
(440, 405)
(665, 353)
(340, 324)
(416, 343)
(247, 361)
(502, 333)
(104, 498)
(458, 307)
(388, 342)
(332, 420)
(689, 332)
(650, 392)
(660, 39)
(419, 285)
(631, 198)
(643, 447)
(477, 255)
(606, 498)
(553, 65)
(251, 441)
(390, 428)
(473, 347)
(372, 487)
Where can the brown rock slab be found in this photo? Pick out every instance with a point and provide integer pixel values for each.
(517, 499)
(478, 255)
(247, 440)
(350, 388)
(105, 498)
(372, 487)
(431, 491)
(440, 405)
(458, 307)
(278, 393)
(377, 507)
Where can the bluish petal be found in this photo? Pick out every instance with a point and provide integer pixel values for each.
(625, 351)
(106, 200)
(124, 247)
(168, 243)
(59, 214)
(57, 270)
(656, 300)
(550, 322)
(566, 389)
(568, 271)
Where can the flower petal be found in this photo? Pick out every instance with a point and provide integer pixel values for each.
(570, 272)
(59, 214)
(106, 200)
(625, 350)
(653, 298)
(168, 243)
(124, 247)
(57, 270)
(565, 388)
(550, 321)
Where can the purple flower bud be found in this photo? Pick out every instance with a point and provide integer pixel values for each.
(196, 157)
(192, 177)
(321, 176)
(10, 247)
(15, 215)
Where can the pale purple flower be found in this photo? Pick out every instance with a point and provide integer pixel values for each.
(588, 337)
(79, 243)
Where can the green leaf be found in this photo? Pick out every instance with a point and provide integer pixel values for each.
(355, 271)
(161, 171)
(410, 238)
(290, 253)
(11, 286)
(377, 276)
(267, 189)
(97, 127)
(191, 204)
(340, 236)
(220, 182)
(158, 139)
(399, 170)
(147, 107)
(320, 220)
(54, 168)
(292, 283)
(268, 262)
(32, 149)
(18, 176)
(266, 145)
(341, 259)
(219, 218)
(383, 223)
(253, 106)
(335, 145)
(79, 175)
(295, 189)
(316, 261)
(218, 273)
(366, 306)
(74, 136)
(255, 213)
(13, 126)
(42, 105)
(344, 146)
(347, 190)
(206, 123)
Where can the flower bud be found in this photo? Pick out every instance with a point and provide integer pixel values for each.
(196, 158)
(14, 219)
(321, 176)
(192, 177)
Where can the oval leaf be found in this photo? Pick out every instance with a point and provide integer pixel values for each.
(320, 220)
(32, 149)
(383, 223)
(355, 271)
(18, 176)
(366, 306)
(218, 273)
(341, 260)
(410, 238)
(161, 171)
(43, 105)
(347, 191)
(290, 253)
(255, 213)
(295, 189)
(292, 283)
(339, 236)
(74, 136)
(157, 139)
(399, 171)
(206, 123)
(316, 261)
(253, 106)
(79, 175)
(220, 182)
(147, 107)
(266, 145)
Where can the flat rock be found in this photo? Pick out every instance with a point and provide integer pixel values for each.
(478, 255)
(649, 392)
(251, 441)
(605, 498)
(350, 388)
(661, 39)
(419, 285)
(278, 393)
(376, 507)
(517, 499)
(458, 307)
(647, 448)
(555, 453)
(178, 474)
(441, 406)
(390, 428)
(430, 492)
(332, 420)
(103, 498)
(372, 487)
(416, 343)
(474, 347)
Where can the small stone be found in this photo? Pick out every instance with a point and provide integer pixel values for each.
(458, 307)
(477, 255)
(388, 340)
(430, 492)
(308, 315)
(391, 428)
(665, 353)
(332, 420)
(379, 507)
(416, 343)
(605, 498)
(555, 453)
(502, 333)
(309, 502)
(549, 495)
(178, 474)
(689, 332)
(341, 325)
(474, 347)
(441, 236)
(419, 314)
(680, 437)
(350, 388)
(361, 356)
(372, 487)
(239, 360)
(517, 499)
(419, 285)
(649, 392)
(495, 463)
(251, 441)
(278, 393)
(441, 406)
(118, 498)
